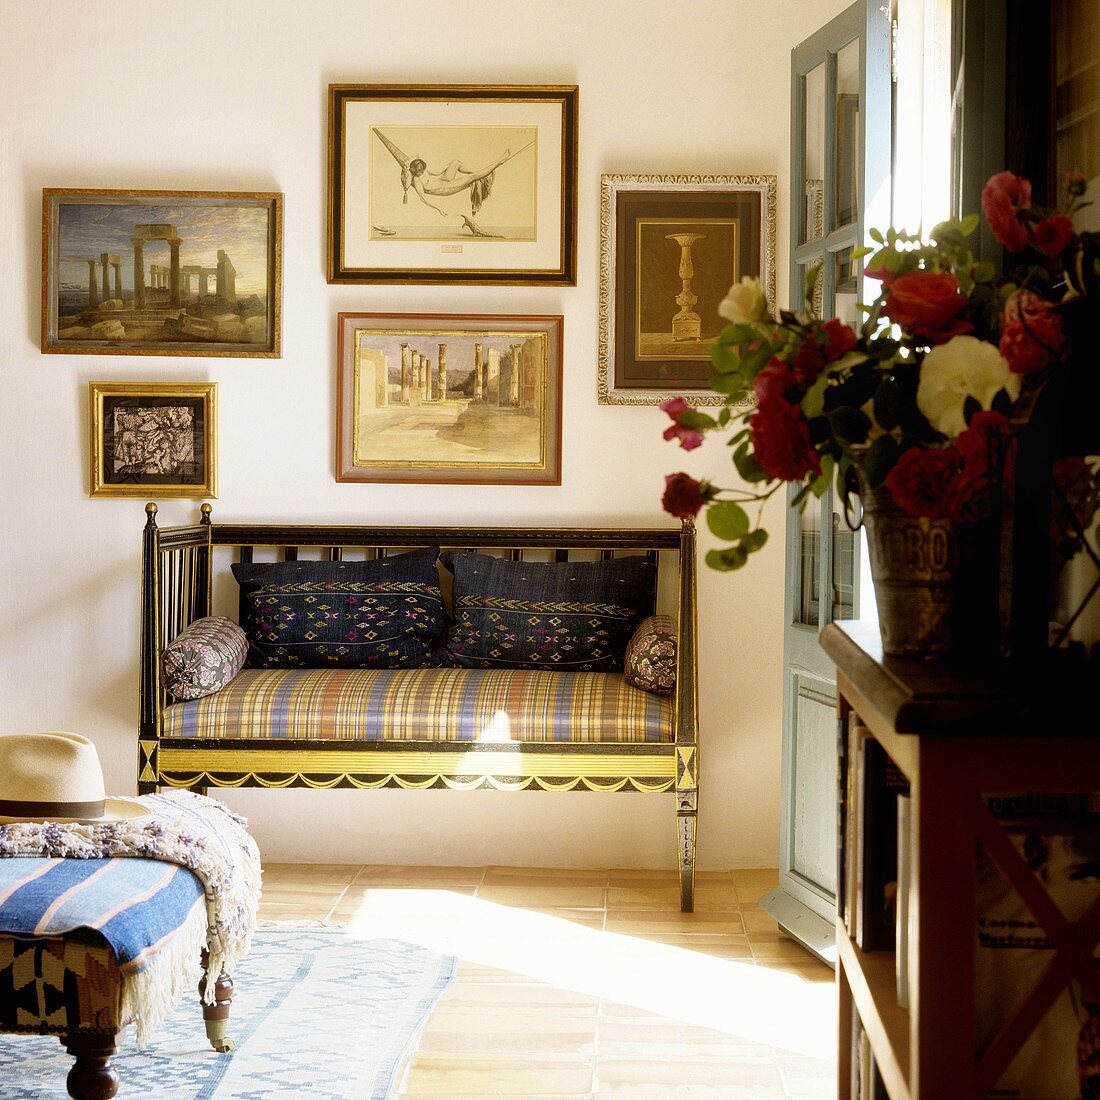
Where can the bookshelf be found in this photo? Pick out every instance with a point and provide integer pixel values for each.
(958, 737)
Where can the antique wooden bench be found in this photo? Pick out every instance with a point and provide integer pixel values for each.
(185, 574)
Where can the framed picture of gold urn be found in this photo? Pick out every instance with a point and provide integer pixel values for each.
(470, 399)
(670, 248)
(161, 272)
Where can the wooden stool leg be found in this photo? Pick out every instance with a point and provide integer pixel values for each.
(216, 1016)
(92, 1076)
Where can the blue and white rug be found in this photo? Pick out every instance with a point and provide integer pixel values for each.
(315, 1013)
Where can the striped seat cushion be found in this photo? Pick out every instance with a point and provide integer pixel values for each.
(459, 704)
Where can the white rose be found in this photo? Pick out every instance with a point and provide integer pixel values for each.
(744, 302)
(963, 367)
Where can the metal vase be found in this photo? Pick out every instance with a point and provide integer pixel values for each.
(913, 565)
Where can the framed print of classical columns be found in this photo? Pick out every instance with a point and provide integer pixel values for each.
(449, 399)
(456, 183)
(161, 272)
(670, 247)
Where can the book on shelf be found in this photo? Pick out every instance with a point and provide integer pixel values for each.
(1058, 837)
(882, 781)
(850, 872)
(905, 870)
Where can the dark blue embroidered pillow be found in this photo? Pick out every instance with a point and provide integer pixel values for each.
(354, 614)
(573, 616)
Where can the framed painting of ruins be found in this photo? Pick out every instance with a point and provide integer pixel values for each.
(153, 436)
(670, 247)
(161, 272)
(466, 184)
(449, 399)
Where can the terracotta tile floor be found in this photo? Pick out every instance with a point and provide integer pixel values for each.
(591, 983)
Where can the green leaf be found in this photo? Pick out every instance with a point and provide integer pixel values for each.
(755, 540)
(888, 404)
(876, 235)
(727, 384)
(881, 456)
(727, 521)
(818, 486)
(813, 402)
(848, 424)
(969, 224)
(700, 422)
(725, 358)
(748, 466)
(743, 333)
(984, 272)
(727, 560)
(724, 417)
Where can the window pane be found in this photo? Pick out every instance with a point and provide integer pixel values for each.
(844, 564)
(1077, 102)
(809, 590)
(813, 216)
(847, 134)
(846, 306)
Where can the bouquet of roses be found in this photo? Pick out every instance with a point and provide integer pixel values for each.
(918, 398)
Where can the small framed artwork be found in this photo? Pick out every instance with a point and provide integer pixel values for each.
(158, 436)
(161, 272)
(449, 399)
(670, 248)
(452, 184)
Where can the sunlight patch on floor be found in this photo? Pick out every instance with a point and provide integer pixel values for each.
(738, 998)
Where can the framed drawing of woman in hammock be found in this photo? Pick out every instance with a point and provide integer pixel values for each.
(452, 184)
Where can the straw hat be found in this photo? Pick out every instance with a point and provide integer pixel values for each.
(56, 777)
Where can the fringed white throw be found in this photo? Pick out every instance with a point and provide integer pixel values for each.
(194, 832)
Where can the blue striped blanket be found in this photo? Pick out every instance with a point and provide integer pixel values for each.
(136, 905)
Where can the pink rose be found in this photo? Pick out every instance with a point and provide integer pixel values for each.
(689, 438)
(1031, 332)
(1004, 197)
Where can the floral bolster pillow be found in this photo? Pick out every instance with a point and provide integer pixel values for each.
(651, 655)
(356, 614)
(571, 616)
(204, 658)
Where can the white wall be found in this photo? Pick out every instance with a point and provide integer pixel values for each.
(232, 96)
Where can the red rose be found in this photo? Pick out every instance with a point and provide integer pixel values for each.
(1031, 332)
(775, 380)
(683, 496)
(922, 481)
(1004, 197)
(781, 440)
(982, 439)
(689, 438)
(1053, 234)
(839, 339)
(926, 303)
(983, 448)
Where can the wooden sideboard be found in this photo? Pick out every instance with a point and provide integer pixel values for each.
(958, 737)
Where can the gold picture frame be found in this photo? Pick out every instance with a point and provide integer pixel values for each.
(460, 399)
(195, 273)
(454, 183)
(157, 437)
(669, 241)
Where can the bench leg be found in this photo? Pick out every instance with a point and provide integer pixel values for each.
(216, 1016)
(92, 1076)
(685, 843)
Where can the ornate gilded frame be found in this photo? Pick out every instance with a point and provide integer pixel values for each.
(417, 263)
(201, 395)
(612, 306)
(54, 343)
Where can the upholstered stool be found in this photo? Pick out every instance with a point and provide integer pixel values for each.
(72, 984)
